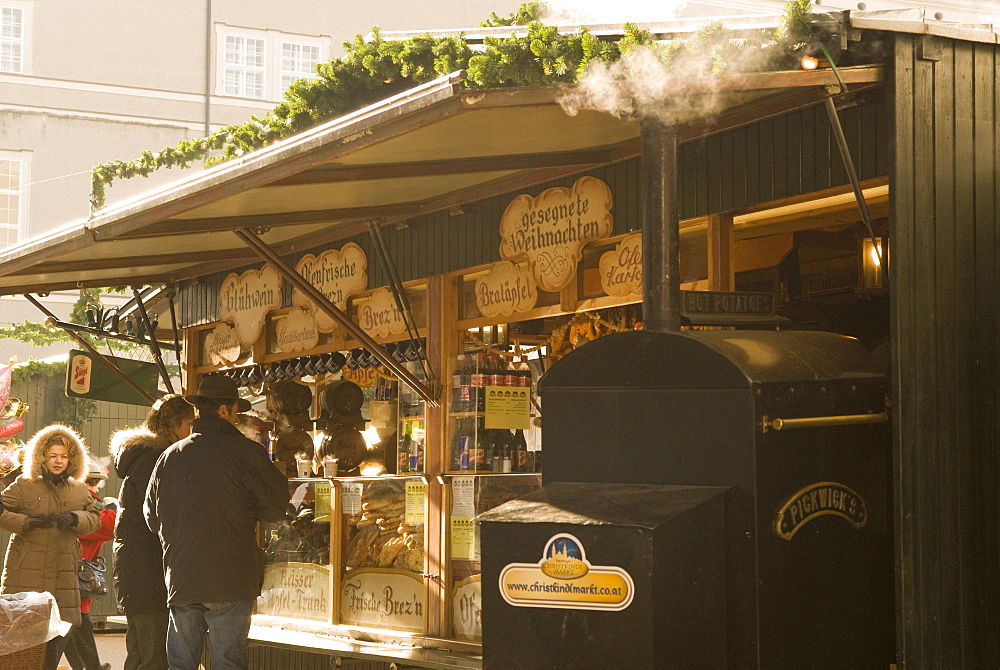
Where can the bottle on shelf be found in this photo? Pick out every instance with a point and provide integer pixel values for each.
(416, 446)
(405, 447)
(507, 457)
(456, 385)
(477, 397)
(511, 376)
(524, 373)
(495, 371)
(460, 445)
(477, 454)
(522, 457)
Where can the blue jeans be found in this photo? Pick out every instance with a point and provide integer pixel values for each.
(227, 624)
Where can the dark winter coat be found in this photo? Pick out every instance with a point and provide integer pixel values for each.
(138, 557)
(205, 496)
(45, 559)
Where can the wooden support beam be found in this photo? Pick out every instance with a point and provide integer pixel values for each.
(721, 276)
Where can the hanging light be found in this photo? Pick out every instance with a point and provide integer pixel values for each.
(874, 253)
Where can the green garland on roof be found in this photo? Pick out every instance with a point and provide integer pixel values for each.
(372, 70)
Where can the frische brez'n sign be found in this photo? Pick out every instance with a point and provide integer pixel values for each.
(565, 579)
(820, 499)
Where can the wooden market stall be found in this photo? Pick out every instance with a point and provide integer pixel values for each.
(515, 231)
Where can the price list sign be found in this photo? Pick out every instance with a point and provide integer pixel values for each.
(463, 511)
(508, 407)
(416, 506)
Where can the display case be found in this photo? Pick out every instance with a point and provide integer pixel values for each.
(489, 411)
(382, 555)
(298, 576)
(469, 496)
(412, 423)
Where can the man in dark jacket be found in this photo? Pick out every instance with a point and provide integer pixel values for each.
(205, 496)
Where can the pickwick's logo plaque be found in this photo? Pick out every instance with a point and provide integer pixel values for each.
(222, 346)
(338, 274)
(552, 229)
(245, 299)
(621, 268)
(820, 499)
(505, 290)
(379, 316)
(296, 332)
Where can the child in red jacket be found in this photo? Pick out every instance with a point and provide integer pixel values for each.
(81, 648)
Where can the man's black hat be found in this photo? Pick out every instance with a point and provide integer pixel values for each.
(220, 387)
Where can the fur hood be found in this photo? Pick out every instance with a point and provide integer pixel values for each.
(129, 443)
(34, 461)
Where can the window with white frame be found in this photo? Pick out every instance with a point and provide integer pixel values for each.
(261, 64)
(13, 186)
(14, 34)
(298, 61)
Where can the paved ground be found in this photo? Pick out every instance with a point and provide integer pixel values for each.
(111, 648)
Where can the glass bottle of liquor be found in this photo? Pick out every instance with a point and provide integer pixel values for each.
(507, 458)
(405, 447)
(477, 455)
(522, 456)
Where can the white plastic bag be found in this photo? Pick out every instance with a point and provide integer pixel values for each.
(28, 619)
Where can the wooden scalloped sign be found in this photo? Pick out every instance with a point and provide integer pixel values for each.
(297, 331)
(222, 346)
(621, 268)
(507, 289)
(338, 274)
(379, 317)
(551, 230)
(246, 299)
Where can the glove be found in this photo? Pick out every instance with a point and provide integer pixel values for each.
(66, 520)
(40, 522)
(110, 503)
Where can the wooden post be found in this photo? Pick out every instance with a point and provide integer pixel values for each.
(721, 275)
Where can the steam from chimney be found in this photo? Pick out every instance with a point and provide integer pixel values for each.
(669, 82)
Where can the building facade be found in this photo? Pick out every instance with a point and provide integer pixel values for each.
(82, 84)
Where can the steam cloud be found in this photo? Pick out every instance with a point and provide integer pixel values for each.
(672, 84)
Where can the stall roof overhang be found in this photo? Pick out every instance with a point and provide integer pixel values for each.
(428, 149)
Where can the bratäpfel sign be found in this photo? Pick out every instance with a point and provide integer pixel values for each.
(551, 230)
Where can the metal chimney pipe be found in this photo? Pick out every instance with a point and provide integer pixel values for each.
(661, 291)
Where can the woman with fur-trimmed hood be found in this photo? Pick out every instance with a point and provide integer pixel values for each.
(138, 564)
(45, 509)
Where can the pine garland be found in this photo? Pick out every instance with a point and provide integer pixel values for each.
(375, 69)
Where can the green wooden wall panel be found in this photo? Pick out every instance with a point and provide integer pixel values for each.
(945, 326)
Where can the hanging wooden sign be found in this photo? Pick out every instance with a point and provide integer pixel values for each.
(338, 274)
(222, 346)
(245, 299)
(296, 331)
(551, 230)
(379, 316)
(621, 269)
(505, 290)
